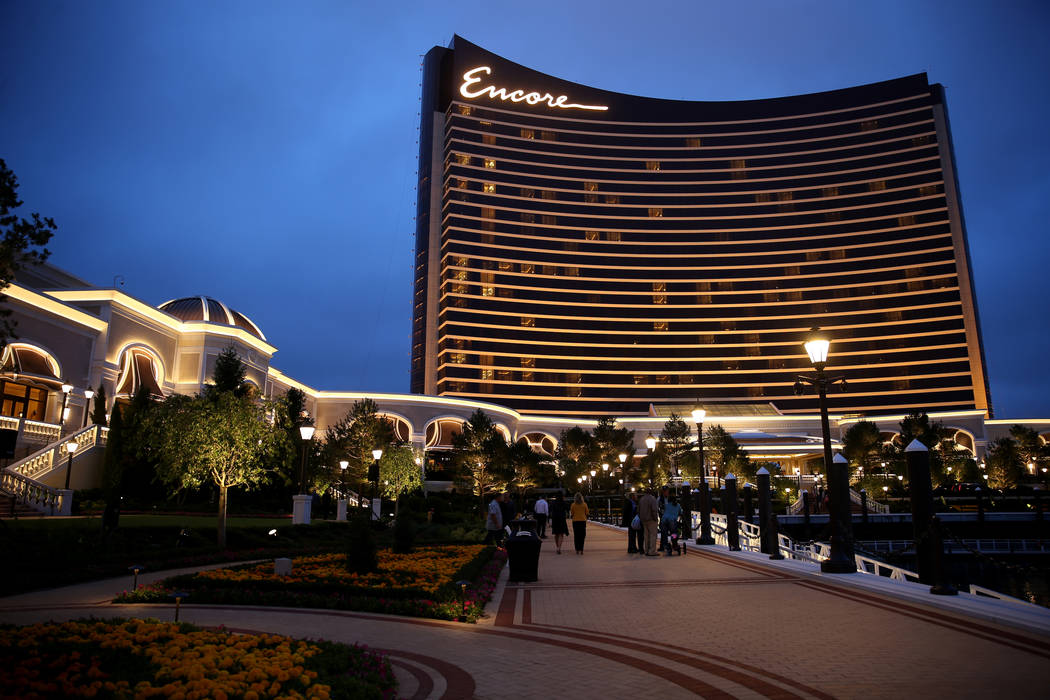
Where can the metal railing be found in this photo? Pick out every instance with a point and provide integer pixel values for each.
(985, 546)
(854, 497)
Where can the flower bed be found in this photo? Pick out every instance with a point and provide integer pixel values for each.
(420, 584)
(147, 659)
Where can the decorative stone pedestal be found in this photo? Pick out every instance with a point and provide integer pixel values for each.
(65, 502)
(282, 566)
(301, 509)
(340, 510)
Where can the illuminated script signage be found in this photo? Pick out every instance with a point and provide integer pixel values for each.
(470, 79)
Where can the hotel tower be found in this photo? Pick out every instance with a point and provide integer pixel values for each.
(581, 252)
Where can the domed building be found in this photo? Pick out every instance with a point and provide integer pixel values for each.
(210, 311)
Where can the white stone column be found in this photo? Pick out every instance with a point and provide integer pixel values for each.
(340, 510)
(301, 509)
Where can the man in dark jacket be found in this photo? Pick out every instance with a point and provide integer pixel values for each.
(649, 514)
(630, 509)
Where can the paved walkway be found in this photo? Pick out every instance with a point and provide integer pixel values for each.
(712, 624)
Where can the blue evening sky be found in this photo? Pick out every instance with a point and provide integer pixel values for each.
(264, 153)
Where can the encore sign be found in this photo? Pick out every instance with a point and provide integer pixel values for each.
(533, 98)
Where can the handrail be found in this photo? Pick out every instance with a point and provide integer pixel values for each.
(21, 478)
(33, 493)
(873, 505)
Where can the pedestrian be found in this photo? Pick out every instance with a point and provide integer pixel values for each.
(662, 502)
(494, 522)
(630, 509)
(669, 522)
(649, 514)
(509, 509)
(559, 528)
(541, 510)
(579, 522)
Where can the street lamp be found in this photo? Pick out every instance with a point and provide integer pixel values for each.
(650, 443)
(343, 464)
(841, 560)
(306, 432)
(623, 471)
(66, 388)
(373, 476)
(88, 395)
(71, 447)
(698, 417)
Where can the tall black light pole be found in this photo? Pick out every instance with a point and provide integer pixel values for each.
(650, 444)
(623, 470)
(373, 476)
(66, 388)
(71, 448)
(88, 395)
(841, 560)
(306, 432)
(698, 417)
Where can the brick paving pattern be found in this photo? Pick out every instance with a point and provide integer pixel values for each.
(711, 624)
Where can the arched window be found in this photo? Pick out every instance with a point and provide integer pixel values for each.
(139, 366)
(27, 375)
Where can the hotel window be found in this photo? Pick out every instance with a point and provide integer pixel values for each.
(612, 199)
(737, 166)
(869, 125)
(528, 193)
(877, 186)
(920, 140)
(465, 110)
(505, 293)
(659, 292)
(656, 212)
(652, 165)
(528, 322)
(528, 362)
(458, 358)
(660, 326)
(590, 235)
(612, 235)
(549, 220)
(489, 139)
(639, 379)
(763, 197)
(548, 194)
(487, 375)
(459, 288)
(503, 375)
(791, 271)
(906, 220)
(838, 254)
(571, 246)
(528, 134)
(462, 159)
(832, 216)
(785, 199)
(813, 255)
(590, 186)
(528, 217)
(505, 266)
(487, 290)
(488, 215)
(548, 136)
(488, 188)
(830, 191)
(528, 376)
(551, 270)
(590, 198)
(928, 190)
(692, 143)
(527, 268)
(572, 272)
(707, 339)
(489, 163)
(461, 184)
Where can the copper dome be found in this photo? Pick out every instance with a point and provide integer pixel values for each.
(210, 311)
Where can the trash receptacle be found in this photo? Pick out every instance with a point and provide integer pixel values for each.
(523, 555)
(520, 524)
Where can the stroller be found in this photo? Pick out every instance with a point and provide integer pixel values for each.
(674, 544)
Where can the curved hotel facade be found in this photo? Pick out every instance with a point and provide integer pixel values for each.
(582, 252)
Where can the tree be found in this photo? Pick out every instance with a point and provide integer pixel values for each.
(524, 466)
(1029, 448)
(229, 374)
(98, 412)
(353, 437)
(223, 439)
(577, 450)
(1004, 462)
(476, 450)
(399, 473)
(21, 242)
(675, 441)
(862, 445)
(610, 441)
(723, 452)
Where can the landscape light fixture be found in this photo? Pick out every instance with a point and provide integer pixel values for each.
(71, 447)
(88, 395)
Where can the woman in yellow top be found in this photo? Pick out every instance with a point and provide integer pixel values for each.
(579, 512)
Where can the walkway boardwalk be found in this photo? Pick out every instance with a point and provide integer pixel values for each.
(712, 624)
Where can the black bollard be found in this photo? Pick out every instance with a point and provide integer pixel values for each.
(749, 508)
(805, 515)
(941, 585)
(729, 504)
(840, 513)
(918, 458)
(864, 506)
(763, 511)
(704, 537)
(774, 537)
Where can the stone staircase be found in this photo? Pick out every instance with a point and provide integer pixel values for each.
(12, 509)
(23, 479)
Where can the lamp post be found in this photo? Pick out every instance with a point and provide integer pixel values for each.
(841, 560)
(698, 417)
(71, 448)
(623, 471)
(66, 388)
(306, 432)
(88, 395)
(373, 476)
